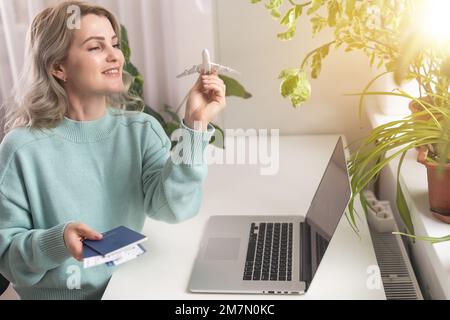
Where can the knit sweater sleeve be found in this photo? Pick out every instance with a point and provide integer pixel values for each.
(172, 181)
(26, 254)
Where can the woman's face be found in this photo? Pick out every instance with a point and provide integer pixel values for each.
(95, 61)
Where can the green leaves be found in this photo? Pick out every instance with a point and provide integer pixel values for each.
(390, 141)
(173, 116)
(290, 20)
(317, 56)
(219, 137)
(433, 240)
(333, 10)
(316, 63)
(274, 7)
(402, 206)
(410, 51)
(316, 5)
(295, 86)
(234, 88)
(445, 69)
(291, 16)
(350, 8)
(368, 26)
(318, 23)
(124, 44)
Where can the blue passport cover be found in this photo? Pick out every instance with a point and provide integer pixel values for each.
(115, 240)
(89, 253)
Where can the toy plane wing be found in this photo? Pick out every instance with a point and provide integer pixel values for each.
(207, 67)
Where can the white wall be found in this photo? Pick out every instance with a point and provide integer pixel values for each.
(191, 32)
(247, 41)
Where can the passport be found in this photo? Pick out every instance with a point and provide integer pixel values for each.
(115, 241)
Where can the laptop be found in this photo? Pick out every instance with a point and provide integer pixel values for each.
(273, 254)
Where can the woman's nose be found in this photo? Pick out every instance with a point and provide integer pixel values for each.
(113, 54)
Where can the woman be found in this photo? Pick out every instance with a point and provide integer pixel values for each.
(73, 164)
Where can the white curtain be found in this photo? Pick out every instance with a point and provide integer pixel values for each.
(166, 36)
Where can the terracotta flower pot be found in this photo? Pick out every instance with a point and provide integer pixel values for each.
(438, 187)
(415, 107)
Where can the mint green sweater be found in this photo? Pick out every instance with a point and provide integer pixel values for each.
(105, 173)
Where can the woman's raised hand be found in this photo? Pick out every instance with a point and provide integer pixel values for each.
(206, 101)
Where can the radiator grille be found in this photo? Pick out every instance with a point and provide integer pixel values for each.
(396, 272)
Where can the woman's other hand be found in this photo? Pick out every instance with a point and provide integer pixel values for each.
(206, 101)
(74, 234)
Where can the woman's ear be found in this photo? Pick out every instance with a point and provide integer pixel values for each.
(59, 72)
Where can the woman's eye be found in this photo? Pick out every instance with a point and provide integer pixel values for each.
(117, 46)
(94, 49)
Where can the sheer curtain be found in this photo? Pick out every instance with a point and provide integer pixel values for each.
(166, 37)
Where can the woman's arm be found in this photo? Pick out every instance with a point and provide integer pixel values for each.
(172, 182)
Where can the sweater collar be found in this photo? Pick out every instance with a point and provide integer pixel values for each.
(87, 131)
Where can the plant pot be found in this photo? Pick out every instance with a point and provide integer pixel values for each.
(415, 107)
(438, 187)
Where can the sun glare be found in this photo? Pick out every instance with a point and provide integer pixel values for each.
(437, 20)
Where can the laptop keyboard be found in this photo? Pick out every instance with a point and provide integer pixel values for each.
(269, 252)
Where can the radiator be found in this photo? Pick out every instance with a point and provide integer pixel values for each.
(397, 274)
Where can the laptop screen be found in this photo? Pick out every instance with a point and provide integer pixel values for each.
(328, 205)
(332, 195)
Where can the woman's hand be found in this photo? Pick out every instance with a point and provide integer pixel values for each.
(206, 101)
(74, 234)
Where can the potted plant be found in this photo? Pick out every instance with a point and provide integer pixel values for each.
(234, 88)
(394, 36)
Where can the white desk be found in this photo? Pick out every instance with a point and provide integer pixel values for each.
(164, 271)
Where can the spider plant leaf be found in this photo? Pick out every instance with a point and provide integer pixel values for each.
(401, 202)
(433, 240)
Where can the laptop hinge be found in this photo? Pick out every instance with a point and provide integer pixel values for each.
(305, 254)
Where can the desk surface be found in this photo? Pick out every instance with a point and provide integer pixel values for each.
(164, 271)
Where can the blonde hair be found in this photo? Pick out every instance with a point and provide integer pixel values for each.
(39, 100)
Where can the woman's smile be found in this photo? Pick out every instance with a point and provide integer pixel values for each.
(114, 72)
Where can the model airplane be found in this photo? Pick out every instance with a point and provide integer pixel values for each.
(207, 67)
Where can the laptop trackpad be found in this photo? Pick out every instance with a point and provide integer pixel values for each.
(223, 249)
